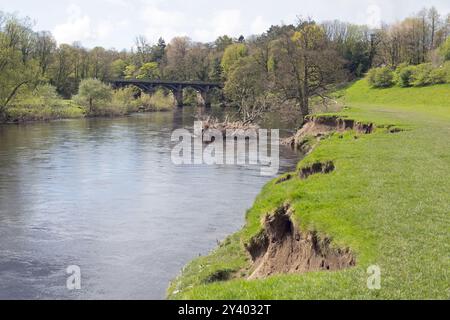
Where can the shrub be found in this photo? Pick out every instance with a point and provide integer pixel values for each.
(444, 50)
(406, 75)
(422, 75)
(403, 75)
(190, 97)
(438, 75)
(46, 92)
(42, 103)
(447, 70)
(67, 109)
(110, 110)
(41, 95)
(22, 113)
(381, 77)
(124, 100)
(94, 95)
(158, 101)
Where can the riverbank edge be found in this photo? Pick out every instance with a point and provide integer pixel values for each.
(83, 116)
(241, 264)
(365, 204)
(228, 266)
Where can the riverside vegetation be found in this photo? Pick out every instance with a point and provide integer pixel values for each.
(383, 200)
(95, 99)
(288, 65)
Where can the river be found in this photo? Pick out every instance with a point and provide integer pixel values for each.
(103, 194)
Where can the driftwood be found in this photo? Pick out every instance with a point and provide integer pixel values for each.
(227, 127)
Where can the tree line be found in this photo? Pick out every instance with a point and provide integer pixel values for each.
(288, 64)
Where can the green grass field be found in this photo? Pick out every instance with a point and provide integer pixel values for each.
(388, 200)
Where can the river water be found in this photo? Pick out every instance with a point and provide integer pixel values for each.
(103, 194)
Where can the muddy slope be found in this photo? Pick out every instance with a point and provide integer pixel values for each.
(320, 126)
(284, 249)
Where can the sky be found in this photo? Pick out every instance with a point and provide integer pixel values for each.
(116, 23)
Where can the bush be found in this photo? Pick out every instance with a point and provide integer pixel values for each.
(406, 75)
(403, 75)
(158, 101)
(42, 103)
(68, 109)
(422, 75)
(94, 95)
(190, 97)
(46, 92)
(438, 75)
(447, 70)
(41, 95)
(381, 77)
(124, 100)
(444, 50)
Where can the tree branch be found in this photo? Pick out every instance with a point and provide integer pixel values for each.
(13, 93)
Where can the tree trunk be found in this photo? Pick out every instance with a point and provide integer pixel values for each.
(90, 105)
(12, 95)
(305, 98)
(2, 114)
(424, 48)
(372, 50)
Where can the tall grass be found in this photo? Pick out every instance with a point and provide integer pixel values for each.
(42, 103)
(159, 101)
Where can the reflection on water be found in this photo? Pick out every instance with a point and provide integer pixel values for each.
(103, 194)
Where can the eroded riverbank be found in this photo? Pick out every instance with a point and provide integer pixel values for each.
(369, 199)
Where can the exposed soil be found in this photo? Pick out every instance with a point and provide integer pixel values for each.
(220, 275)
(302, 145)
(316, 168)
(283, 249)
(364, 128)
(284, 179)
(395, 129)
(325, 124)
(322, 126)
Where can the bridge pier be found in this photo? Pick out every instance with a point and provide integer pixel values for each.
(178, 94)
(204, 98)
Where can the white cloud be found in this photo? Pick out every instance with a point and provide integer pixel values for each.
(161, 23)
(99, 21)
(226, 22)
(120, 3)
(104, 29)
(373, 16)
(259, 25)
(76, 28)
(158, 17)
(79, 27)
(172, 23)
(202, 35)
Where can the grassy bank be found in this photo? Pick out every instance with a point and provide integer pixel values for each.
(122, 103)
(64, 109)
(387, 200)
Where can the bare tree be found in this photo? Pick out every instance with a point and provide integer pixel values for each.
(305, 64)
